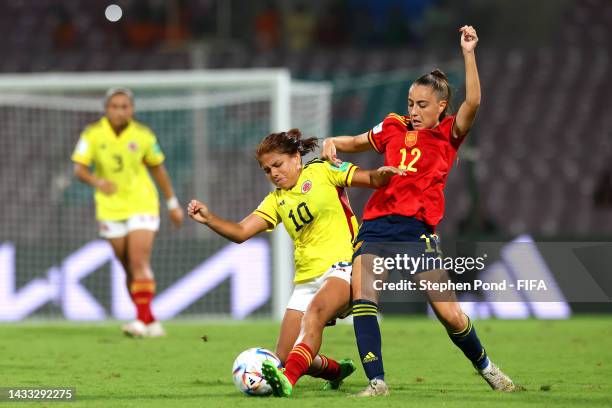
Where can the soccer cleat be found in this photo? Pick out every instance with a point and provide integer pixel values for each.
(497, 379)
(135, 329)
(347, 367)
(374, 389)
(155, 329)
(281, 387)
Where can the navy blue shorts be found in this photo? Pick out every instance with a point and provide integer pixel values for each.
(397, 235)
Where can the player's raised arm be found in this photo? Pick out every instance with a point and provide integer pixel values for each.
(234, 231)
(375, 178)
(467, 111)
(344, 144)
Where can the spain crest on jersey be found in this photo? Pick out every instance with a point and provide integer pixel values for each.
(411, 138)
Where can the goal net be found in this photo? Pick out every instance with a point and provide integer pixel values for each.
(52, 264)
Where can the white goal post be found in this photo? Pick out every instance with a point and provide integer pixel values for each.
(203, 90)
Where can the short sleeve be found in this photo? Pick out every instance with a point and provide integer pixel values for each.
(268, 210)
(380, 134)
(84, 150)
(446, 128)
(153, 155)
(341, 176)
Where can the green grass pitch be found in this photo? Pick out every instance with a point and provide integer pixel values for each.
(559, 363)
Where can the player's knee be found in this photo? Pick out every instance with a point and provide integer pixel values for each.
(369, 295)
(455, 320)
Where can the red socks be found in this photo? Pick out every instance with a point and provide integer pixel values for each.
(298, 362)
(330, 369)
(142, 292)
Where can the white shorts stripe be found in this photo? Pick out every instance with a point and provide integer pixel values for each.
(118, 229)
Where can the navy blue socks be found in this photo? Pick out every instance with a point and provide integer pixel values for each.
(367, 334)
(467, 340)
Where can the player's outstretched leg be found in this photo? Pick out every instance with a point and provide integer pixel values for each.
(142, 284)
(463, 333)
(332, 296)
(346, 367)
(281, 387)
(467, 340)
(367, 334)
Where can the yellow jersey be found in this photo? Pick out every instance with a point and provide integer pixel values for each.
(317, 215)
(122, 159)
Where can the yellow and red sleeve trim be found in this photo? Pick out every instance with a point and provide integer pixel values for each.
(349, 175)
(397, 117)
(373, 143)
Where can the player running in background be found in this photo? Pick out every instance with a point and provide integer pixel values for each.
(127, 205)
(311, 202)
(424, 144)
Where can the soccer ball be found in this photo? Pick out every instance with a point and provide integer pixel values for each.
(247, 371)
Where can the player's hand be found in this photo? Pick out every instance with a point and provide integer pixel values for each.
(469, 39)
(383, 174)
(329, 152)
(105, 186)
(390, 171)
(176, 216)
(198, 211)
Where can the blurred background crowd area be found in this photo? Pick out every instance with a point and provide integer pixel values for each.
(539, 158)
(74, 35)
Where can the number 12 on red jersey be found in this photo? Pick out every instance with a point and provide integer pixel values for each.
(415, 153)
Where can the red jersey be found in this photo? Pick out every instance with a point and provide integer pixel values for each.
(426, 155)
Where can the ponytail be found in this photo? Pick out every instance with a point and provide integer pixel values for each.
(289, 142)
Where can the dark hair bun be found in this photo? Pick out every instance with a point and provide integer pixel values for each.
(294, 133)
(439, 74)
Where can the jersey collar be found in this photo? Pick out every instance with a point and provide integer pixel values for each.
(109, 128)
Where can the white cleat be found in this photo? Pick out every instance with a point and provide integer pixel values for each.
(374, 389)
(155, 329)
(497, 379)
(135, 329)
